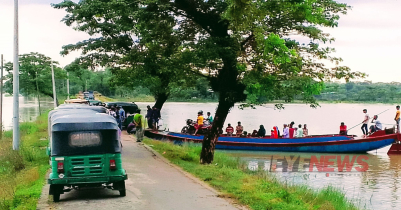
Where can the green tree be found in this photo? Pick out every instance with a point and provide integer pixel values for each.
(243, 48)
(146, 54)
(35, 75)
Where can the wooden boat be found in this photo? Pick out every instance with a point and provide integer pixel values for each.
(319, 143)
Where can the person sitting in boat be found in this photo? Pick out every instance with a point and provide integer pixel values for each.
(305, 130)
(229, 130)
(300, 132)
(278, 131)
(272, 133)
(262, 131)
(200, 122)
(343, 129)
(254, 133)
(291, 131)
(209, 118)
(275, 132)
(286, 132)
(377, 125)
(239, 129)
(244, 134)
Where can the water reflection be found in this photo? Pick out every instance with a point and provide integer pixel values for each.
(377, 187)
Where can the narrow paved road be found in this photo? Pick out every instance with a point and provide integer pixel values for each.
(152, 184)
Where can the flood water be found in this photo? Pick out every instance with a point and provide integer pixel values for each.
(28, 109)
(375, 185)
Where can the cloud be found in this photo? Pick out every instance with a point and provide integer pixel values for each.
(40, 30)
(367, 37)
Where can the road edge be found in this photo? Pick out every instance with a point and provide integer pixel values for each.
(232, 201)
(44, 199)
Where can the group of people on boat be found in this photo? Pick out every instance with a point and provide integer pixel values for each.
(289, 131)
(202, 122)
(377, 125)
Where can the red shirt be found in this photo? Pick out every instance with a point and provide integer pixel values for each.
(230, 129)
(343, 128)
(292, 133)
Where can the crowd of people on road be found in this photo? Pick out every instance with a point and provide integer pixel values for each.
(137, 125)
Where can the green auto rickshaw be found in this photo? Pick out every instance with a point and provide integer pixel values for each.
(85, 151)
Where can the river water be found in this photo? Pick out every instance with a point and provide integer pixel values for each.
(378, 187)
(28, 109)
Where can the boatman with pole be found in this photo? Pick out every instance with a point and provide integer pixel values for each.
(365, 123)
(397, 118)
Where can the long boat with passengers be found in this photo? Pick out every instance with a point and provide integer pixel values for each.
(333, 143)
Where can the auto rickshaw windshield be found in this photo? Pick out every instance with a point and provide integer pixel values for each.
(83, 135)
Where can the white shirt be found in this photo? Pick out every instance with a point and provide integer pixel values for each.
(365, 121)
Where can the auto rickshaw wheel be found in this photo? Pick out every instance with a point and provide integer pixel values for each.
(122, 193)
(56, 197)
(120, 186)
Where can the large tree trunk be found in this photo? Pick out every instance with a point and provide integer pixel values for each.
(210, 140)
(230, 90)
(160, 99)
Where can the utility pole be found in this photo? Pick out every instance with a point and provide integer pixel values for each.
(16, 81)
(1, 98)
(37, 91)
(68, 86)
(54, 88)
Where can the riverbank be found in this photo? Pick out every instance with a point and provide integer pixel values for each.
(22, 173)
(258, 190)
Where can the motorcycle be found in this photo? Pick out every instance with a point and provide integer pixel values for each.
(190, 128)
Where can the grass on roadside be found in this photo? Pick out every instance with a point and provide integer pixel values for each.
(256, 189)
(22, 172)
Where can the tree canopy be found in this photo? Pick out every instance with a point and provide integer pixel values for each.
(35, 74)
(246, 49)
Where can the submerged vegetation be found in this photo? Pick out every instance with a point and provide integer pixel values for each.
(22, 172)
(256, 189)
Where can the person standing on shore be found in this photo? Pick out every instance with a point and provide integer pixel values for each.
(397, 118)
(155, 118)
(365, 122)
(148, 116)
(138, 121)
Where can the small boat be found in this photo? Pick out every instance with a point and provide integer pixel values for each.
(318, 143)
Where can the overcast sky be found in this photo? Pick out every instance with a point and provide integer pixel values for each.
(368, 37)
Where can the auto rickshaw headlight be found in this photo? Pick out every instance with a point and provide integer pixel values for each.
(113, 165)
(60, 167)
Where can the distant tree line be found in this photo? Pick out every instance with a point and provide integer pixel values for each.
(361, 92)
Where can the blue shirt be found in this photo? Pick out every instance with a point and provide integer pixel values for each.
(122, 114)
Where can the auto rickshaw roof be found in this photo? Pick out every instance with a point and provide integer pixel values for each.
(99, 109)
(80, 122)
(119, 103)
